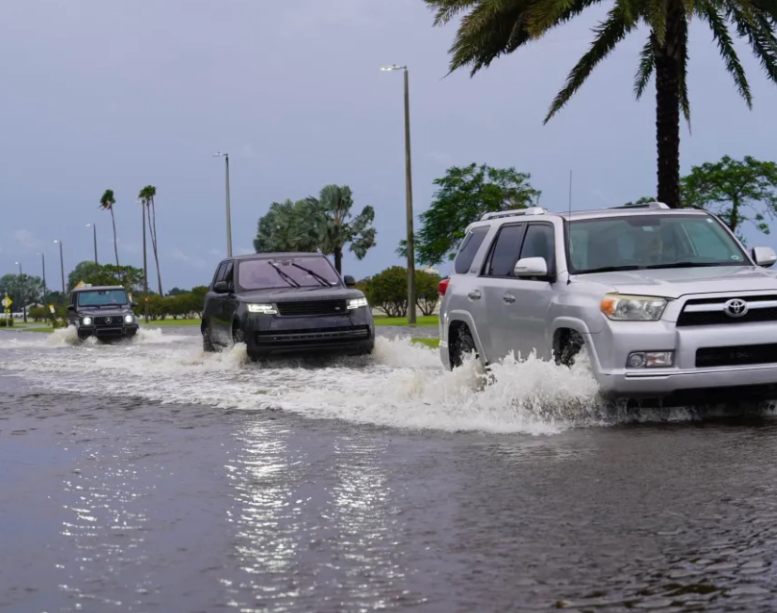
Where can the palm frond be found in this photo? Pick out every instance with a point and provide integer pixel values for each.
(647, 63)
(682, 59)
(612, 31)
(655, 13)
(721, 35)
(446, 10)
(758, 29)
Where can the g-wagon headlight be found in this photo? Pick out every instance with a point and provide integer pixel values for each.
(355, 303)
(621, 307)
(264, 309)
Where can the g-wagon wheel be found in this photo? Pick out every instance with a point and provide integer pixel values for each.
(207, 344)
(463, 345)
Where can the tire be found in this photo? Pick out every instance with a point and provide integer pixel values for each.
(464, 345)
(572, 346)
(207, 343)
(237, 335)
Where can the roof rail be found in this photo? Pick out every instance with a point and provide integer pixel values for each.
(647, 205)
(532, 210)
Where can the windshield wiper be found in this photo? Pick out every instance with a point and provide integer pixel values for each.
(285, 276)
(608, 269)
(313, 274)
(693, 265)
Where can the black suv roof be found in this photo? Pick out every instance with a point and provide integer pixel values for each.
(277, 254)
(96, 288)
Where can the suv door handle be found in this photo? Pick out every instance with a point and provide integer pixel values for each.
(474, 295)
(508, 298)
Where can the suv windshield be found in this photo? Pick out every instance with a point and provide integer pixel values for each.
(103, 297)
(286, 272)
(651, 241)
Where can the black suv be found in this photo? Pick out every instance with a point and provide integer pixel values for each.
(104, 312)
(286, 303)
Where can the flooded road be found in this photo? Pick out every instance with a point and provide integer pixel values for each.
(152, 477)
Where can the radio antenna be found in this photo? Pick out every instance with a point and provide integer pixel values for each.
(569, 230)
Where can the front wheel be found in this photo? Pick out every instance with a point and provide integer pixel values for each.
(237, 336)
(207, 343)
(462, 346)
(571, 348)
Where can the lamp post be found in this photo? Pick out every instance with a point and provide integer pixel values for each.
(62, 270)
(229, 212)
(43, 269)
(94, 236)
(408, 200)
(22, 292)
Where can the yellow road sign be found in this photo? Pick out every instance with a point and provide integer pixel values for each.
(6, 302)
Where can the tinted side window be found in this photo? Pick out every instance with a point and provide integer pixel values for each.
(540, 243)
(505, 252)
(219, 276)
(469, 248)
(228, 273)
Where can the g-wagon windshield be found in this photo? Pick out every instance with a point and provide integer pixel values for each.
(636, 242)
(286, 272)
(103, 297)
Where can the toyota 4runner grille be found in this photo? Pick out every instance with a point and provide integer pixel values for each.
(742, 310)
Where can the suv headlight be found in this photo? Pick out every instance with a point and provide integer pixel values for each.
(87, 321)
(621, 307)
(129, 319)
(355, 303)
(265, 309)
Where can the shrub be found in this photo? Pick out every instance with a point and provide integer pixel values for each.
(387, 291)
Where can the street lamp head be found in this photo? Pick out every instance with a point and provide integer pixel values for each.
(218, 154)
(55, 240)
(393, 67)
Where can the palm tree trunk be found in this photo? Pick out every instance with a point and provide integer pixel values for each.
(115, 240)
(339, 259)
(152, 221)
(668, 67)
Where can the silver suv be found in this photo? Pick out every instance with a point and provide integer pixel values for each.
(668, 304)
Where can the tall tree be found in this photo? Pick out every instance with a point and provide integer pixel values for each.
(464, 194)
(337, 227)
(287, 226)
(493, 28)
(22, 289)
(106, 204)
(146, 196)
(739, 191)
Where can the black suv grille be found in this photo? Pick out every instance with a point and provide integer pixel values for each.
(755, 314)
(312, 307)
(115, 320)
(736, 356)
(312, 337)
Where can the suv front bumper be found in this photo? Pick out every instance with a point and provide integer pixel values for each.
(123, 330)
(610, 349)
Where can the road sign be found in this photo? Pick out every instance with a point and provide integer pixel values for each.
(6, 302)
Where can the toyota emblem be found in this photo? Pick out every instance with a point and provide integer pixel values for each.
(735, 307)
(108, 320)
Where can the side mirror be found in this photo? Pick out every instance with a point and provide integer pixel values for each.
(349, 281)
(531, 267)
(764, 256)
(133, 305)
(71, 308)
(221, 287)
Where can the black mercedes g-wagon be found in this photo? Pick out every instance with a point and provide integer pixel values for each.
(283, 304)
(104, 312)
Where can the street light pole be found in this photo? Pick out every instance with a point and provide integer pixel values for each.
(228, 211)
(411, 298)
(62, 270)
(23, 294)
(94, 235)
(43, 268)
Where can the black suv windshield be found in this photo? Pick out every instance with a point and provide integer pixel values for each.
(651, 241)
(286, 272)
(103, 297)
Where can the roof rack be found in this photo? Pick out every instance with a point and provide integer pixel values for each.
(532, 210)
(647, 205)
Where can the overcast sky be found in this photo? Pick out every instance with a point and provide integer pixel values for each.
(103, 94)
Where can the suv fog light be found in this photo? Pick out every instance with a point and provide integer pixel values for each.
(650, 359)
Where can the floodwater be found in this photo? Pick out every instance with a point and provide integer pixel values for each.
(148, 476)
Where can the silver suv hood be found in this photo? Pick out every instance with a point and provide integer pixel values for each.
(676, 282)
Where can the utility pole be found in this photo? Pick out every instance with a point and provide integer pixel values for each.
(94, 236)
(411, 293)
(218, 154)
(22, 292)
(43, 267)
(62, 270)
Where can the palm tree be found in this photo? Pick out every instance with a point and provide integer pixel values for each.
(146, 196)
(333, 212)
(106, 204)
(288, 226)
(490, 29)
